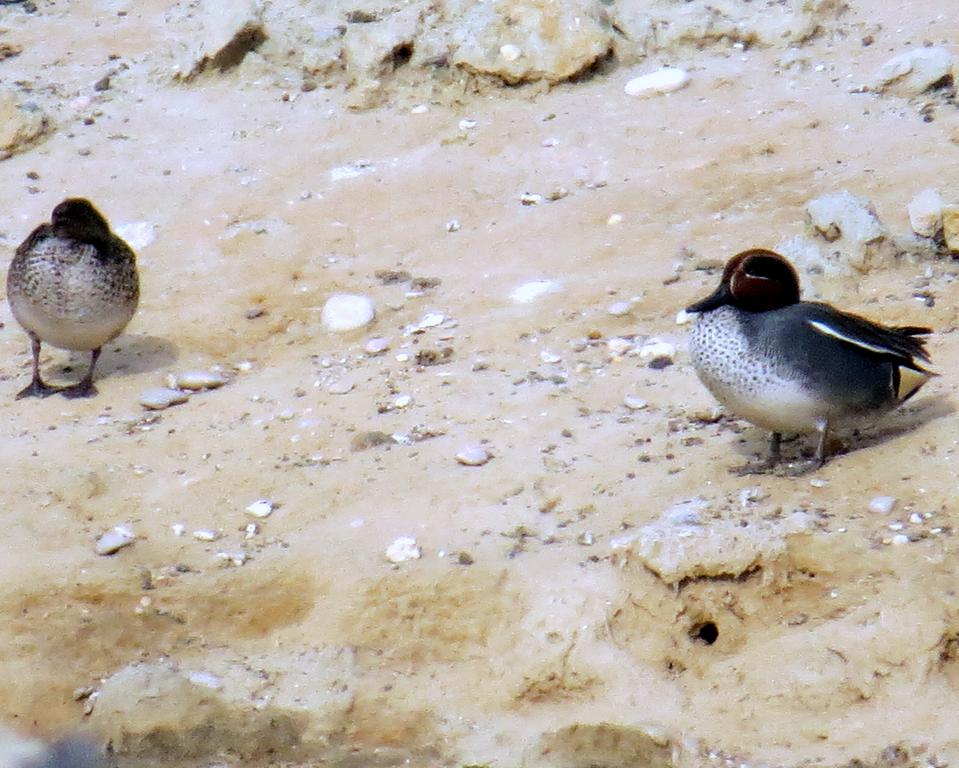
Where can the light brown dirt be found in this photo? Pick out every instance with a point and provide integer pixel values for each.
(544, 649)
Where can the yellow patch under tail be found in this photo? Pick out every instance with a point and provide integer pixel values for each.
(909, 382)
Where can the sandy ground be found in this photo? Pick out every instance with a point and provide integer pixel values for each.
(839, 648)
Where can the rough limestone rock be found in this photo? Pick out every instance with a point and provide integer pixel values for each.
(679, 547)
(925, 213)
(528, 40)
(20, 126)
(156, 710)
(950, 226)
(224, 33)
(608, 744)
(372, 50)
(665, 25)
(914, 71)
(850, 223)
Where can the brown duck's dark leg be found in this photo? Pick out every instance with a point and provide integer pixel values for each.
(775, 454)
(36, 388)
(823, 428)
(84, 388)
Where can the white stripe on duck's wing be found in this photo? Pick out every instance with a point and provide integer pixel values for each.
(828, 330)
(900, 344)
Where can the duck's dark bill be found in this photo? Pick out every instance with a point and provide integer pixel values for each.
(716, 299)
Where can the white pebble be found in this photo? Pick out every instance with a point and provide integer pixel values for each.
(232, 558)
(260, 508)
(467, 124)
(899, 539)
(654, 349)
(453, 225)
(472, 455)
(432, 319)
(620, 308)
(340, 386)
(206, 680)
(530, 198)
(882, 505)
(420, 109)
(347, 312)
(915, 518)
(925, 213)
(634, 402)
(619, 346)
(529, 292)
(158, 398)
(178, 529)
(114, 540)
(403, 549)
(196, 380)
(663, 80)
(550, 357)
(376, 346)
(614, 219)
(510, 52)
(683, 317)
(252, 529)
(206, 534)
(402, 401)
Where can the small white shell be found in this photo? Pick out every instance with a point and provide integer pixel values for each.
(114, 540)
(158, 398)
(663, 80)
(529, 292)
(260, 508)
(510, 52)
(619, 308)
(206, 534)
(634, 402)
(472, 455)
(432, 319)
(882, 505)
(197, 380)
(403, 549)
(347, 312)
(376, 345)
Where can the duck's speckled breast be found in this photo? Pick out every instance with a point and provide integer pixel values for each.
(747, 378)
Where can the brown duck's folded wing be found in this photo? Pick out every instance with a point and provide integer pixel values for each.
(897, 344)
(40, 233)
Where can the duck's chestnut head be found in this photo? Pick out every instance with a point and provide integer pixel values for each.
(757, 280)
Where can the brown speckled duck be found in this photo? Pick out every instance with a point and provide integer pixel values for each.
(73, 284)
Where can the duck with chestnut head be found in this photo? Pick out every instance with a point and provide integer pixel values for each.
(792, 366)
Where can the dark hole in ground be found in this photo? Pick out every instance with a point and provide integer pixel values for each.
(401, 55)
(706, 632)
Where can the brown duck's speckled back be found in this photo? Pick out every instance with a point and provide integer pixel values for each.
(56, 282)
